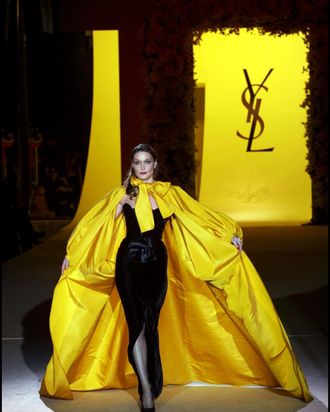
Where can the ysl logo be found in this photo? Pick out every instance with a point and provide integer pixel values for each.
(253, 107)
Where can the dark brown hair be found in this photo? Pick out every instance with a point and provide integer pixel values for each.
(131, 190)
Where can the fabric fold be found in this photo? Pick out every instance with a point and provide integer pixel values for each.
(218, 323)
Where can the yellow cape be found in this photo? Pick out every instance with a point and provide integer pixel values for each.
(218, 323)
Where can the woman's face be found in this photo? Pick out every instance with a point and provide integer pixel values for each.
(143, 165)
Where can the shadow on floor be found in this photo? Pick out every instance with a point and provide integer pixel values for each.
(311, 308)
(37, 346)
(184, 399)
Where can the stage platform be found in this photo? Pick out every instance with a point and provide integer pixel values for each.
(293, 263)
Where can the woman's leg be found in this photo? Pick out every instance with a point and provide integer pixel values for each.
(140, 357)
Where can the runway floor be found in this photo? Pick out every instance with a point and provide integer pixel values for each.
(292, 262)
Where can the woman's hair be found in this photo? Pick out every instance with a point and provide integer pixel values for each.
(131, 190)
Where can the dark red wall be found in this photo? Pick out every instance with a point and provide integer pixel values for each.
(125, 16)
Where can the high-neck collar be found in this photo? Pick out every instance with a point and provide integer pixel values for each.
(143, 209)
(157, 186)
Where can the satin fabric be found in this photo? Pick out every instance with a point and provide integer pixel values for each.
(218, 323)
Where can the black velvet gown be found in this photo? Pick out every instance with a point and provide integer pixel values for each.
(141, 280)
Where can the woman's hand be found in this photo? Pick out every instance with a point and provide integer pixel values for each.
(65, 265)
(238, 243)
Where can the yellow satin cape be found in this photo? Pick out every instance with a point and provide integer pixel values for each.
(218, 323)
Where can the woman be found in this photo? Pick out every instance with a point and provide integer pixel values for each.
(144, 241)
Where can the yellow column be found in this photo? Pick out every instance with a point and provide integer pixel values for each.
(103, 169)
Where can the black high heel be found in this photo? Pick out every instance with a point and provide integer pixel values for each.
(143, 409)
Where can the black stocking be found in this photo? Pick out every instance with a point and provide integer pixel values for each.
(140, 359)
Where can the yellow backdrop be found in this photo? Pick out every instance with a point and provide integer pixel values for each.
(253, 186)
(236, 74)
(103, 169)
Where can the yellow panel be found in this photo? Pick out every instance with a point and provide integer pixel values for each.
(254, 186)
(103, 170)
(199, 131)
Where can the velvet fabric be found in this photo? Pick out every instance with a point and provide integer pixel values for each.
(141, 280)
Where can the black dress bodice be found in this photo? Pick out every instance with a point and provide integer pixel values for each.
(132, 224)
(142, 247)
